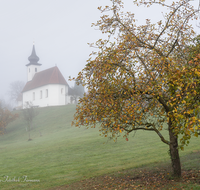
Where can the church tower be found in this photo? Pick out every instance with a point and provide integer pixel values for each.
(33, 67)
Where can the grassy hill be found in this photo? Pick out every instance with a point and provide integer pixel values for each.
(65, 154)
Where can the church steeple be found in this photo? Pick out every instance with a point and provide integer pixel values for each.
(33, 58)
(33, 67)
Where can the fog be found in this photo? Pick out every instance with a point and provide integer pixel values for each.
(60, 30)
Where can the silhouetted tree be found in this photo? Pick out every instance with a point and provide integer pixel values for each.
(15, 92)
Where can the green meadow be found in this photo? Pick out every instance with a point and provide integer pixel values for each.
(61, 154)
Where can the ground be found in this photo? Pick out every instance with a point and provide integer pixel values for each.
(145, 178)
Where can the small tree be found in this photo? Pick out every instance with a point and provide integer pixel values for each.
(29, 114)
(142, 79)
(5, 118)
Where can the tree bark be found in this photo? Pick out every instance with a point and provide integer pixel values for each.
(174, 152)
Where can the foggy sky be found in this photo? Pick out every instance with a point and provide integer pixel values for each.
(60, 30)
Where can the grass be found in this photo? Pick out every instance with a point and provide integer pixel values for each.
(65, 155)
(145, 177)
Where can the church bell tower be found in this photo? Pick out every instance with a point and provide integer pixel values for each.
(33, 66)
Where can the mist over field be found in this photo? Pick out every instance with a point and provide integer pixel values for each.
(60, 154)
(47, 141)
(60, 30)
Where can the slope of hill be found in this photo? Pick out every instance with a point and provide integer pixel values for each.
(64, 154)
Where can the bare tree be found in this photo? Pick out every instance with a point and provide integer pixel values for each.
(76, 92)
(15, 91)
(29, 114)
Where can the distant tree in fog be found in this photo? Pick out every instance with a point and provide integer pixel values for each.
(15, 91)
(5, 104)
(76, 92)
(29, 114)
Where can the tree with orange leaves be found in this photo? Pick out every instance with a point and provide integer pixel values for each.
(141, 77)
(5, 118)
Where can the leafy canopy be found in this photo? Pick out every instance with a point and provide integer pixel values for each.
(142, 77)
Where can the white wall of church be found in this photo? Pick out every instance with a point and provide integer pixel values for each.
(57, 94)
(49, 95)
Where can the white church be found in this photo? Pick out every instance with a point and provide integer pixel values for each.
(44, 88)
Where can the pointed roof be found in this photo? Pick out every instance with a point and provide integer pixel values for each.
(33, 58)
(49, 76)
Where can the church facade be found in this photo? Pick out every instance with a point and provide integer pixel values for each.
(44, 88)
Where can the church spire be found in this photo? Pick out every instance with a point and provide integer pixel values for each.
(33, 58)
(33, 67)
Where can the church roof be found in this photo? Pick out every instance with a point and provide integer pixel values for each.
(48, 76)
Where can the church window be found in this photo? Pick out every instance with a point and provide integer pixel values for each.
(61, 90)
(35, 69)
(33, 95)
(41, 94)
(29, 70)
(46, 93)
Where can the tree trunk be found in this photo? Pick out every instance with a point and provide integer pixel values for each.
(174, 152)
(29, 133)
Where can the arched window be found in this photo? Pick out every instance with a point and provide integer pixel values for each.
(35, 69)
